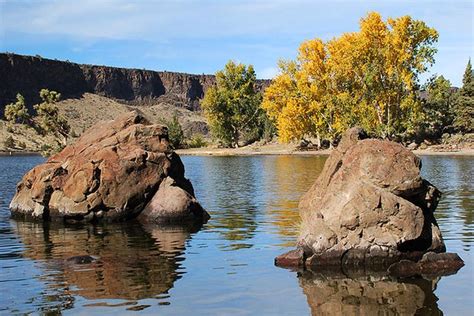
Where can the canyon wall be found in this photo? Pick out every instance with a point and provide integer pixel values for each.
(28, 75)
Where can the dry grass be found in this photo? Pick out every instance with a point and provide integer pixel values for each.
(86, 111)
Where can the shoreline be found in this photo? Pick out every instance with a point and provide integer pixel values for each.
(270, 150)
(19, 153)
(291, 150)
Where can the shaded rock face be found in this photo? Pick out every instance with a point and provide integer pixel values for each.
(369, 206)
(110, 174)
(28, 75)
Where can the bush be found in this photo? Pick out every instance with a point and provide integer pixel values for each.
(175, 132)
(47, 150)
(196, 141)
(17, 112)
(9, 142)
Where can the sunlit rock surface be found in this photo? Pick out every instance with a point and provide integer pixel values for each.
(114, 171)
(368, 207)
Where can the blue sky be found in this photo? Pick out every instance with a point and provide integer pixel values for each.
(201, 36)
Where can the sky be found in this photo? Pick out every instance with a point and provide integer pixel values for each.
(201, 36)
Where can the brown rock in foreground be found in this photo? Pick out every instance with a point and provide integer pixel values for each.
(110, 174)
(368, 207)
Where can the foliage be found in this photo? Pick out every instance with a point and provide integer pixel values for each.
(49, 120)
(48, 150)
(175, 132)
(232, 107)
(464, 104)
(437, 107)
(367, 78)
(9, 142)
(196, 141)
(17, 112)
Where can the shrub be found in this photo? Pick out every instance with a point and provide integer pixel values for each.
(175, 132)
(17, 112)
(196, 141)
(9, 142)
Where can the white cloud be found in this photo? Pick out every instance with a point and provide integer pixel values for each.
(257, 32)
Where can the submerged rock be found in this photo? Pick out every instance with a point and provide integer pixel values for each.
(81, 259)
(368, 207)
(113, 172)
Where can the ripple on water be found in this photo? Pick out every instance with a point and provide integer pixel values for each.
(225, 267)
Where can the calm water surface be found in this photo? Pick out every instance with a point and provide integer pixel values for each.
(227, 266)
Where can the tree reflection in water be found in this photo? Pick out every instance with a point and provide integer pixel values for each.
(234, 205)
(285, 186)
(133, 261)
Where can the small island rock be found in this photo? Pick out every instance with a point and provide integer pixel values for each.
(114, 171)
(368, 207)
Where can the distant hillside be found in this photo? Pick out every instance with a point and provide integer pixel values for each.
(27, 75)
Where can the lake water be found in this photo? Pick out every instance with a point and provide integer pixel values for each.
(227, 266)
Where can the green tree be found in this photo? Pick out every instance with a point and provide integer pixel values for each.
(49, 120)
(464, 104)
(17, 112)
(175, 132)
(232, 106)
(437, 107)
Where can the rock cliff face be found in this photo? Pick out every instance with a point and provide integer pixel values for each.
(27, 75)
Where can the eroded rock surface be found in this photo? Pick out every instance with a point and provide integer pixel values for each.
(369, 206)
(111, 173)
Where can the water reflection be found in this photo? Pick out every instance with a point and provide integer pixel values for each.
(234, 205)
(285, 185)
(455, 212)
(229, 263)
(368, 295)
(133, 261)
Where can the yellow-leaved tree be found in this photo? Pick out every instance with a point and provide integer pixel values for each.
(367, 78)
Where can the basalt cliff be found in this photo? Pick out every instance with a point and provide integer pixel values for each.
(28, 75)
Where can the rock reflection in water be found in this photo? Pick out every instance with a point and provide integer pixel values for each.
(368, 295)
(133, 261)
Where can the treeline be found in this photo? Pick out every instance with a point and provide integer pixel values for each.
(368, 78)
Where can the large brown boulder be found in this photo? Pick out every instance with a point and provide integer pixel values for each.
(111, 173)
(369, 206)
